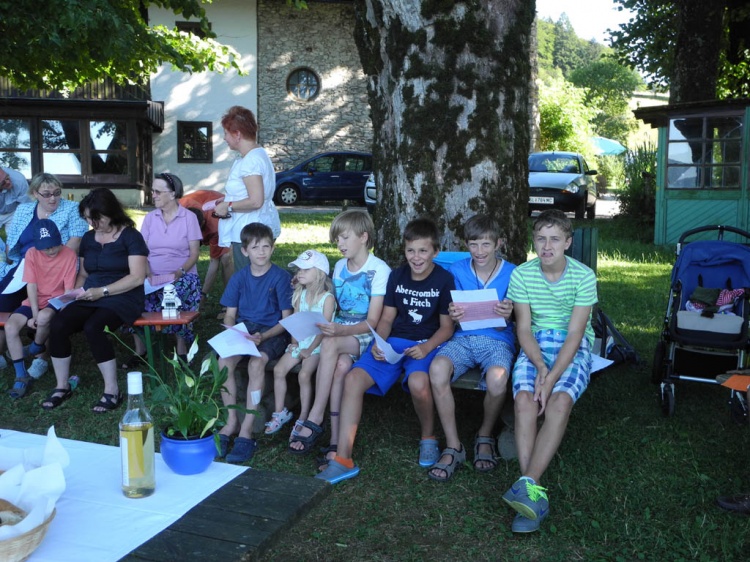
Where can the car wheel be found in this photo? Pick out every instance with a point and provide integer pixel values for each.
(581, 210)
(287, 194)
(591, 212)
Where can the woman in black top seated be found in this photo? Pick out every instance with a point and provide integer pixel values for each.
(112, 271)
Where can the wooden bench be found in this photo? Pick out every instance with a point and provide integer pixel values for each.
(156, 321)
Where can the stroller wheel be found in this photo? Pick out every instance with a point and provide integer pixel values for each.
(657, 371)
(666, 398)
(738, 408)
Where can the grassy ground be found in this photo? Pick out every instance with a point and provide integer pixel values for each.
(627, 483)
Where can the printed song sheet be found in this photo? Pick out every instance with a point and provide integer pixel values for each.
(478, 309)
(233, 341)
(302, 325)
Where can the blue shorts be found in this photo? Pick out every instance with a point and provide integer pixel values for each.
(466, 352)
(26, 311)
(574, 379)
(386, 374)
(273, 347)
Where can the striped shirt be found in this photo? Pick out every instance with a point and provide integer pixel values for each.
(552, 303)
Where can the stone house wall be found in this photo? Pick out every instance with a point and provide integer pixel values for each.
(320, 39)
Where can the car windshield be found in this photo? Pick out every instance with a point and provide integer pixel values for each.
(553, 163)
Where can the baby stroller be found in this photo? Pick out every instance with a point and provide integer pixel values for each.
(705, 328)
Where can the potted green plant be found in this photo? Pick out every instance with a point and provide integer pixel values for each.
(189, 410)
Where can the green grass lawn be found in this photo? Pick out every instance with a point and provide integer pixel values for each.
(627, 484)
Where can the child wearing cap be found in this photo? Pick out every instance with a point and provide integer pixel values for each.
(50, 271)
(313, 293)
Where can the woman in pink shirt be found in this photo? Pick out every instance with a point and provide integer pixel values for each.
(173, 236)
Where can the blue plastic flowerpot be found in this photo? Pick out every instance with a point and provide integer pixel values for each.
(191, 456)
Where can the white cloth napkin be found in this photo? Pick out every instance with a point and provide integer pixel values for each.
(33, 480)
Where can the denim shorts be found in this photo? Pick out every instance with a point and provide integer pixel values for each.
(574, 379)
(273, 347)
(466, 352)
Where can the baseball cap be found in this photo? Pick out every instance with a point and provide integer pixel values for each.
(311, 258)
(46, 235)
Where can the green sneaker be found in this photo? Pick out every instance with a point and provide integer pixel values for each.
(530, 500)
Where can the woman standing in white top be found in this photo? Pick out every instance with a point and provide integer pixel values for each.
(250, 186)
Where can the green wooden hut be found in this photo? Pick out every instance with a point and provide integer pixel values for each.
(702, 166)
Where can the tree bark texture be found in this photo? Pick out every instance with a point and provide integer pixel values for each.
(449, 86)
(700, 28)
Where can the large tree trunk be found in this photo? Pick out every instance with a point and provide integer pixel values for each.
(449, 88)
(700, 26)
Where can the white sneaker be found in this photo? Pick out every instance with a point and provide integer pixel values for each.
(38, 367)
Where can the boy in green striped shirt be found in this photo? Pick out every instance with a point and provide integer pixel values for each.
(553, 296)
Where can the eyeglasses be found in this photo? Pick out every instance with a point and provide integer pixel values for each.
(57, 193)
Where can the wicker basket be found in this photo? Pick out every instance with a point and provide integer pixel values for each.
(20, 548)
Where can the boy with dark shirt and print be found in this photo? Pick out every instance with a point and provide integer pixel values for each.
(414, 322)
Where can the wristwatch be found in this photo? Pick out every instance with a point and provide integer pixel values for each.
(105, 291)
(229, 208)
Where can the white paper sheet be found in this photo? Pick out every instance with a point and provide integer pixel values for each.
(598, 363)
(17, 283)
(478, 307)
(211, 205)
(156, 282)
(233, 341)
(391, 355)
(60, 302)
(95, 521)
(302, 325)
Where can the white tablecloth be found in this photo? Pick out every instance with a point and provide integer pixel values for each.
(95, 521)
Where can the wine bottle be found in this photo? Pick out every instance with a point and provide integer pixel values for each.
(137, 443)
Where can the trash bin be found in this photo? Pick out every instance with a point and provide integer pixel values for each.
(585, 246)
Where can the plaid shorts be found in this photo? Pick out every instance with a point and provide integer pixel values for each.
(574, 379)
(466, 352)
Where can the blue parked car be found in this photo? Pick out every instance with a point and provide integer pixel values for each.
(330, 176)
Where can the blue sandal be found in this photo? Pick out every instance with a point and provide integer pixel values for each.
(243, 450)
(309, 441)
(20, 387)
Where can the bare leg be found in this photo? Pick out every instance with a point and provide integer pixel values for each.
(213, 270)
(109, 373)
(421, 397)
(526, 411)
(12, 332)
(343, 366)
(356, 384)
(309, 366)
(329, 354)
(441, 371)
(229, 394)
(280, 371)
(497, 383)
(556, 415)
(256, 377)
(227, 267)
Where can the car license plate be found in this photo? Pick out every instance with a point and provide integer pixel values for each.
(542, 200)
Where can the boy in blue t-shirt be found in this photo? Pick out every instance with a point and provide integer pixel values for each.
(553, 296)
(491, 349)
(414, 322)
(258, 295)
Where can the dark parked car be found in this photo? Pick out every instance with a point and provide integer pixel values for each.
(330, 176)
(562, 180)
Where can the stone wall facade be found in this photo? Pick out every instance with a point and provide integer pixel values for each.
(320, 39)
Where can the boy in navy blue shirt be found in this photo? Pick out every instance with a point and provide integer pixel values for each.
(414, 322)
(258, 295)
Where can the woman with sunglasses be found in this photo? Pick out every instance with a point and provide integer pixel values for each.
(173, 237)
(45, 191)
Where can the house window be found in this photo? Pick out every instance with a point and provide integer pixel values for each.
(704, 152)
(303, 84)
(15, 145)
(72, 147)
(193, 27)
(194, 142)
